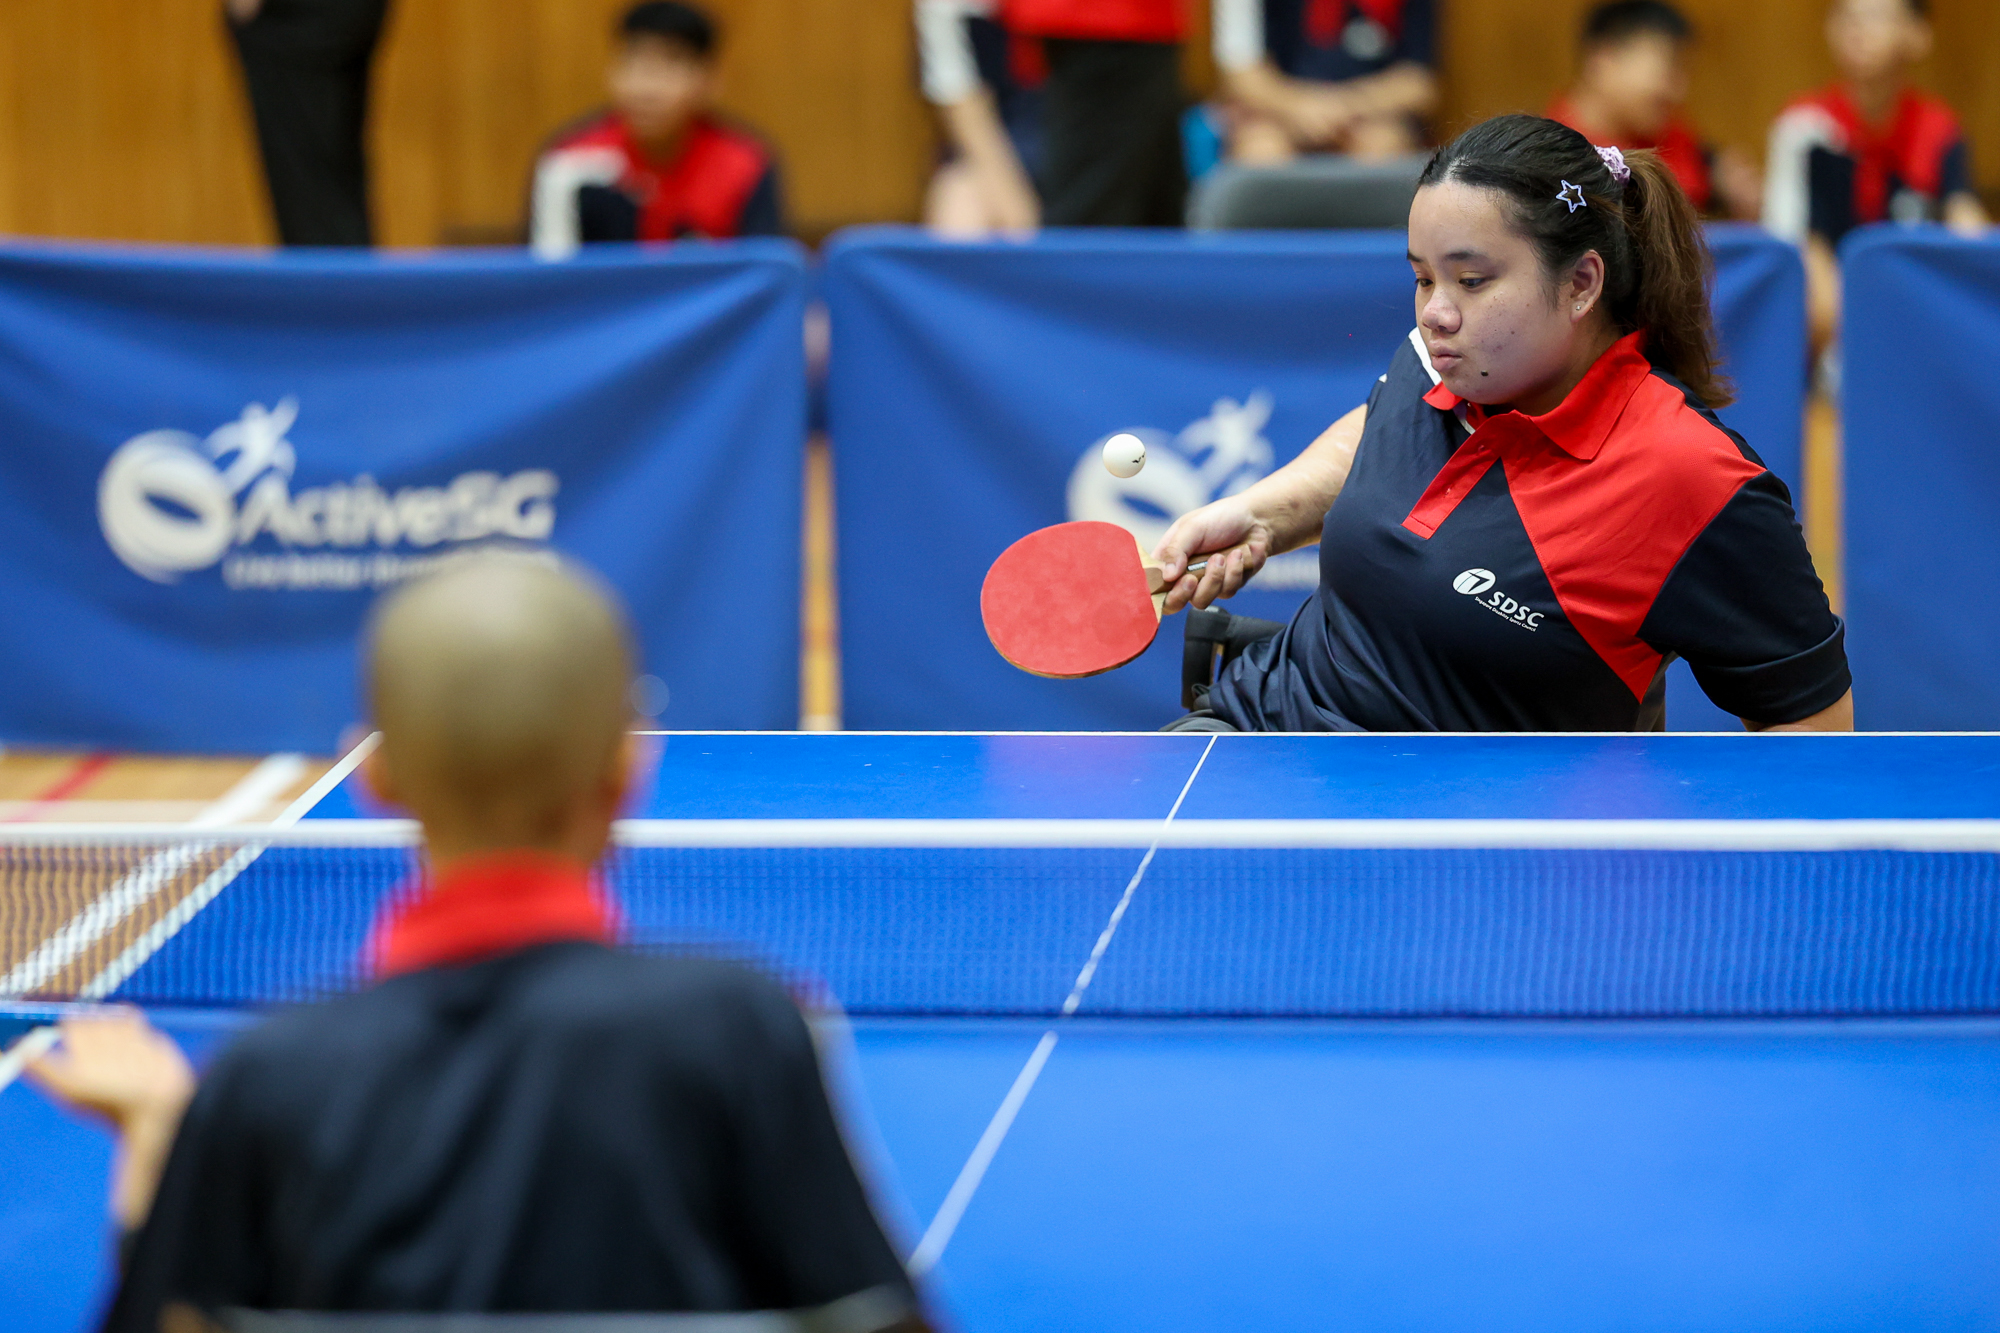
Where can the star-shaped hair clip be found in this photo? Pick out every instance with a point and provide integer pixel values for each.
(1572, 195)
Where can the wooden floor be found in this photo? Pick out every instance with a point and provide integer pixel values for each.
(70, 909)
(51, 787)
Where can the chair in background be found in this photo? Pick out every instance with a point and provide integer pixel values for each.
(1313, 193)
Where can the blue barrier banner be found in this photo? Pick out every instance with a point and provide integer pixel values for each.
(1920, 428)
(972, 386)
(213, 462)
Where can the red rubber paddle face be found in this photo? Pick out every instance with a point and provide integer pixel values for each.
(1070, 601)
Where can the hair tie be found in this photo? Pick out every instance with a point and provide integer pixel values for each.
(1616, 161)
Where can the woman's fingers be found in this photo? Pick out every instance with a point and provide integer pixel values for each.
(1226, 574)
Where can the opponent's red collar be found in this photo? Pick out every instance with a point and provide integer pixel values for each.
(488, 905)
(1581, 423)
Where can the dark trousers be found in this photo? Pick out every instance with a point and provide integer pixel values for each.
(305, 63)
(1111, 135)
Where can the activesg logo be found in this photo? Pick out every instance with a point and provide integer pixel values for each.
(1478, 583)
(171, 504)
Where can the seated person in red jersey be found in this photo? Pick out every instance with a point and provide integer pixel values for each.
(517, 1116)
(1870, 148)
(1630, 85)
(658, 165)
(1325, 76)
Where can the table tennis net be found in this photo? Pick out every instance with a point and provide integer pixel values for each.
(234, 919)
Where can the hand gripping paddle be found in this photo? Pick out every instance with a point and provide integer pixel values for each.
(1074, 600)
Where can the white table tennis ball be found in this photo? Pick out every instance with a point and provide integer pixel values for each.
(1124, 455)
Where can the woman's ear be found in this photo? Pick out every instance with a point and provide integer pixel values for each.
(1586, 286)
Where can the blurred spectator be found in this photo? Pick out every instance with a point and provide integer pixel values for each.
(305, 63)
(1325, 76)
(657, 165)
(1630, 85)
(1870, 148)
(987, 88)
(1111, 142)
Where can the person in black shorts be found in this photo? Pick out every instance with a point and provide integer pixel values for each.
(306, 67)
(1536, 510)
(517, 1115)
(1111, 138)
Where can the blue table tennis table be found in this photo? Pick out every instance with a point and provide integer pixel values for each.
(1298, 1032)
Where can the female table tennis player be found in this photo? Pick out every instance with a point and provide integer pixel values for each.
(1536, 510)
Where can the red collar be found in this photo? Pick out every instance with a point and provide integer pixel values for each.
(1581, 423)
(489, 905)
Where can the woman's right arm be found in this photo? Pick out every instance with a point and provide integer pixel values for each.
(1240, 532)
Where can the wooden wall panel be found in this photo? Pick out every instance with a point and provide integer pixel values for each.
(126, 119)
(469, 88)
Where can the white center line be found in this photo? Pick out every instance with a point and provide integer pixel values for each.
(938, 1235)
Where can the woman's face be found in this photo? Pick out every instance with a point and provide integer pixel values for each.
(1495, 331)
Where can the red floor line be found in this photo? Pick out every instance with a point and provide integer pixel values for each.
(69, 784)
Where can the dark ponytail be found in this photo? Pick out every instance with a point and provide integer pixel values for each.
(1656, 261)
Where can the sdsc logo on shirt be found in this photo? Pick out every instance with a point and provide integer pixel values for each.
(1479, 583)
(1220, 454)
(170, 504)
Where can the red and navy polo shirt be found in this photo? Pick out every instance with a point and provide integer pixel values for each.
(1507, 572)
(595, 183)
(1832, 171)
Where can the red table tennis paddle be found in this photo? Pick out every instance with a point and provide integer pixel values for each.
(1074, 600)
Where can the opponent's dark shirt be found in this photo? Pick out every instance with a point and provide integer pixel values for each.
(561, 1128)
(1332, 40)
(1539, 573)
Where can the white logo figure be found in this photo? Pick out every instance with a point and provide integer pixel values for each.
(169, 503)
(166, 504)
(1479, 583)
(1473, 582)
(1220, 454)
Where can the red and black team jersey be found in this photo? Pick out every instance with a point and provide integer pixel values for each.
(516, 1118)
(1539, 573)
(593, 183)
(1678, 146)
(1831, 171)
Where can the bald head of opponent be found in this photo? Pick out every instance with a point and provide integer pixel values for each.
(501, 688)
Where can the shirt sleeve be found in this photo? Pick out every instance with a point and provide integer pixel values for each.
(1787, 171)
(1238, 33)
(947, 67)
(1746, 609)
(809, 1219)
(555, 228)
(200, 1243)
